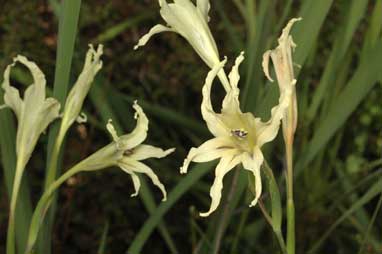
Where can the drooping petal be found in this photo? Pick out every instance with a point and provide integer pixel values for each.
(214, 124)
(139, 134)
(134, 177)
(226, 164)
(139, 167)
(231, 102)
(11, 96)
(253, 163)
(143, 152)
(208, 151)
(265, 64)
(154, 30)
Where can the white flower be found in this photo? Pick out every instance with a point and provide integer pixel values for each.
(238, 136)
(80, 89)
(191, 22)
(34, 113)
(126, 152)
(282, 60)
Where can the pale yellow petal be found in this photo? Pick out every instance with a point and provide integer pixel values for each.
(231, 102)
(79, 91)
(267, 131)
(11, 94)
(110, 128)
(253, 163)
(138, 167)
(214, 124)
(154, 30)
(208, 151)
(143, 152)
(265, 64)
(134, 177)
(204, 7)
(139, 134)
(224, 166)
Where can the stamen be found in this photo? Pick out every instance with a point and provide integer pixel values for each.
(128, 152)
(240, 133)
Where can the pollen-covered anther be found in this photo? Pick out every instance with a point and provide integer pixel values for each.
(240, 133)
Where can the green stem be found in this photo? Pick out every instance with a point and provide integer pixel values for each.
(43, 206)
(290, 201)
(11, 247)
(52, 168)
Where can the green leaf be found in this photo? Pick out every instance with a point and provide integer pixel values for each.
(370, 194)
(184, 185)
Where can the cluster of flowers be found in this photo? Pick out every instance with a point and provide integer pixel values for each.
(238, 137)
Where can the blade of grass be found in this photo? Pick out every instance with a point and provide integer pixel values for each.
(176, 193)
(363, 80)
(370, 226)
(68, 22)
(117, 29)
(373, 191)
(102, 244)
(345, 35)
(100, 101)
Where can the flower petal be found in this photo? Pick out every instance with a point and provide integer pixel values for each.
(134, 177)
(267, 131)
(265, 64)
(80, 89)
(208, 151)
(154, 30)
(11, 96)
(231, 102)
(139, 167)
(226, 164)
(253, 163)
(214, 124)
(204, 7)
(143, 152)
(139, 134)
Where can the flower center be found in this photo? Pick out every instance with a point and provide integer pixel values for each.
(239, 133)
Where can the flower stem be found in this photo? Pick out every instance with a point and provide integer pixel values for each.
(43, 206)
(11, 248)
(224, 80)
(290, 201)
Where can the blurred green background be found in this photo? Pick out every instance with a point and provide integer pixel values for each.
(338, 143)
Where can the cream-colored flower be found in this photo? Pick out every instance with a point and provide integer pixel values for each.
(126, 152)
(282, 60)
(238, 136)
(34, 113)
(78, 93)
(191, 22)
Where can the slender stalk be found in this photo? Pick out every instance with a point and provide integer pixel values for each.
(43, 206)
(290, 200)
(11, 247)
(54, 158)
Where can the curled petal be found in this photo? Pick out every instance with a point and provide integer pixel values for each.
(208, 151)
(253, 163)
(265, 64)
(231, 100)
(139, 134)
(143, 152)
(154, 30)
(226, 164)
(135, 178)
(11, 96)
(138, 167)
(82, 118)
(214, 124)
(112, 131)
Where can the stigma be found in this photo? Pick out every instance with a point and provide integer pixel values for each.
(240, 133)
